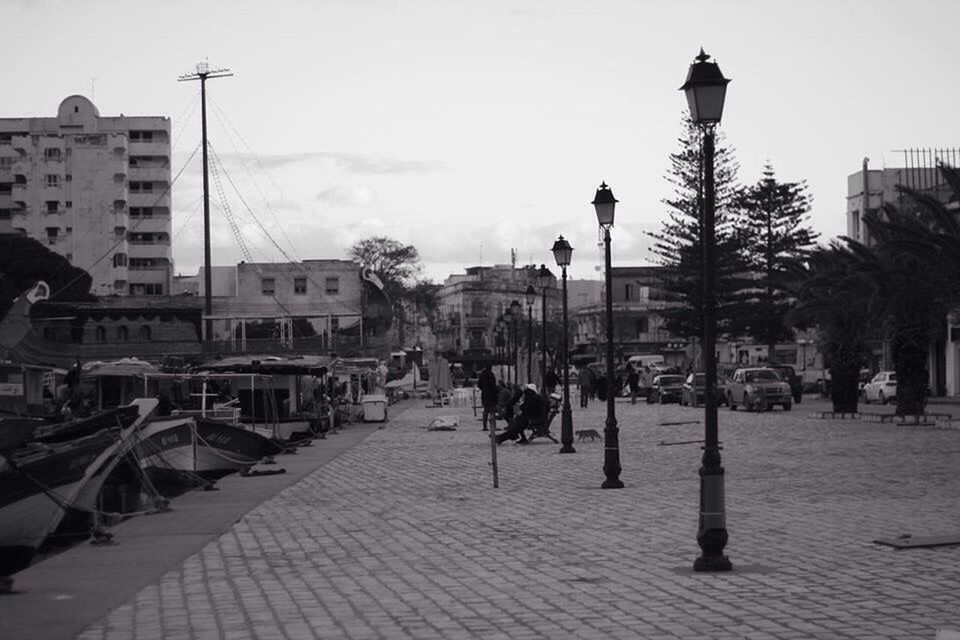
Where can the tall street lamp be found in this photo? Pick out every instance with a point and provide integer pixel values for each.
(562, 252)
(531, 296)
(543, 281)
(515, 311)
(706, 89)
(508, 325)
(604, 203)
(500, 324)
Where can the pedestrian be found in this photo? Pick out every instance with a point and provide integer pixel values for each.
(551, 381)
(585, 382)
(633, 381)
(487, 382)
(646, 379)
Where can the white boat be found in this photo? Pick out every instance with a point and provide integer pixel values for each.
(166, 448)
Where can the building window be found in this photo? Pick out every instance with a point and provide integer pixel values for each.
(300, 286)
(153, 289)
(145, 333)
(51, 154)
(268, 286)
(141, 136)
(119, 260)
(332, 286)
(5, 214)
(69, 178)
(52, 180)
(68, 204)
(123, 334)
(52, 233)
(628, 292)
(52, 206)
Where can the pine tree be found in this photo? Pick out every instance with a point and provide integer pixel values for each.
(777, 243)
(677, 246)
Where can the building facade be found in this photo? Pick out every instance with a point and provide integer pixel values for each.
(95, 190)
(471, 303)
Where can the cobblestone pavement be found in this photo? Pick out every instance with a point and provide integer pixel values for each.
(403, 536)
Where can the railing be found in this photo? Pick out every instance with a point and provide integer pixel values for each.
(312, 344)
(224, 414)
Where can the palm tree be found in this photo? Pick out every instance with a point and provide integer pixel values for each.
(834, 295)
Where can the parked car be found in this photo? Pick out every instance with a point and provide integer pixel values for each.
(788, 375)
(694, 392)
(666, 388)
(883, 388)
(758, 388)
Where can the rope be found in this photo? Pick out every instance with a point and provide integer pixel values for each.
(218, 452)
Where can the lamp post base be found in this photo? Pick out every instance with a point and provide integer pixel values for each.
(612, 483)
(566, 430)
(712, 564)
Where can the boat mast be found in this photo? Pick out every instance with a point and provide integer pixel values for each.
(203, 72)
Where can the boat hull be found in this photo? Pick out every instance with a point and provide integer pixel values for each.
(36, 489)
(223, 448)
(167, 451)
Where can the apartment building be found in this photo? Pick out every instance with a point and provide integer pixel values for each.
(95, 190)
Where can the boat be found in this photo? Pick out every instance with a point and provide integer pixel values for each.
(166, 449)
(37, 482)
(224, 448)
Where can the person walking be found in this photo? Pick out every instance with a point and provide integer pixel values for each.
(633, 381)
(488, 396)
(551, 381)
(585, 382)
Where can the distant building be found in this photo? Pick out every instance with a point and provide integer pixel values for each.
(471, 303)
(95, 190)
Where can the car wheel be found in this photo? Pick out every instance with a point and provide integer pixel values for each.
(731, 403)
(747, 406)
(787, 406)
(882, 398)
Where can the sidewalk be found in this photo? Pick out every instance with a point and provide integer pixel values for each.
(403, 536)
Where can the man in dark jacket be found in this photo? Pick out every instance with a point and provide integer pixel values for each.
(487, 382)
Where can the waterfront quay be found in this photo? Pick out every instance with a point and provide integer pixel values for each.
(397, 532)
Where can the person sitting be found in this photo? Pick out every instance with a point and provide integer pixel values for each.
(533, 408)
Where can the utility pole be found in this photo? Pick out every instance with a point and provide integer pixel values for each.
(203, 72)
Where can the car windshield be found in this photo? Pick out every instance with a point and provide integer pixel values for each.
(763, 375)
(671, 379)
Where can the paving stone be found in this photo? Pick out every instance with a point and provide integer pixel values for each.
(403, 536)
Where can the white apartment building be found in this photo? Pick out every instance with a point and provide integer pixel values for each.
(95, 190)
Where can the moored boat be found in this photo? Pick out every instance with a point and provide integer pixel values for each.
(167, 450)
(223, 448)
(37, 482)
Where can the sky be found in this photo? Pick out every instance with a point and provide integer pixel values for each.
(470, 128)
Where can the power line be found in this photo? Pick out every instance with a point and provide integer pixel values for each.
(217, 113)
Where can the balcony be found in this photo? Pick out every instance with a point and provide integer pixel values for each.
(156, 198)
(150, 174)
(156, 224)
(149, 250)
(135, 148)
(476, 321)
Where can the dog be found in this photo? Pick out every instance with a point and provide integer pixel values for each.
(583, 434)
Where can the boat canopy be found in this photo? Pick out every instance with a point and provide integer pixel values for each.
(290, 365)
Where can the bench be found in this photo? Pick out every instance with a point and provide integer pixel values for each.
(540, 428)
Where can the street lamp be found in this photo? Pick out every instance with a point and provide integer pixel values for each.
(500, 324)
(543, 281)
(803, 342)
(706, 89)
(604, 203)
(531, 296)
(508, 323)
(562, 251)
(515, 315)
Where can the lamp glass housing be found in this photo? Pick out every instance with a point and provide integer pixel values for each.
(706, 90)
(531, 295)
(605, 204)
(544, 278)
(562, 252)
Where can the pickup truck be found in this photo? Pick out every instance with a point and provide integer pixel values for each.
(758, 388)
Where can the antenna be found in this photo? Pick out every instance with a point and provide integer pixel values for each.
(93, 89)
(202, 73)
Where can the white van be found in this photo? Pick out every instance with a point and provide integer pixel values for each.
(641, 361)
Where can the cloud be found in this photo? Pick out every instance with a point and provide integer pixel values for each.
(347, 196)
(349, 162)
